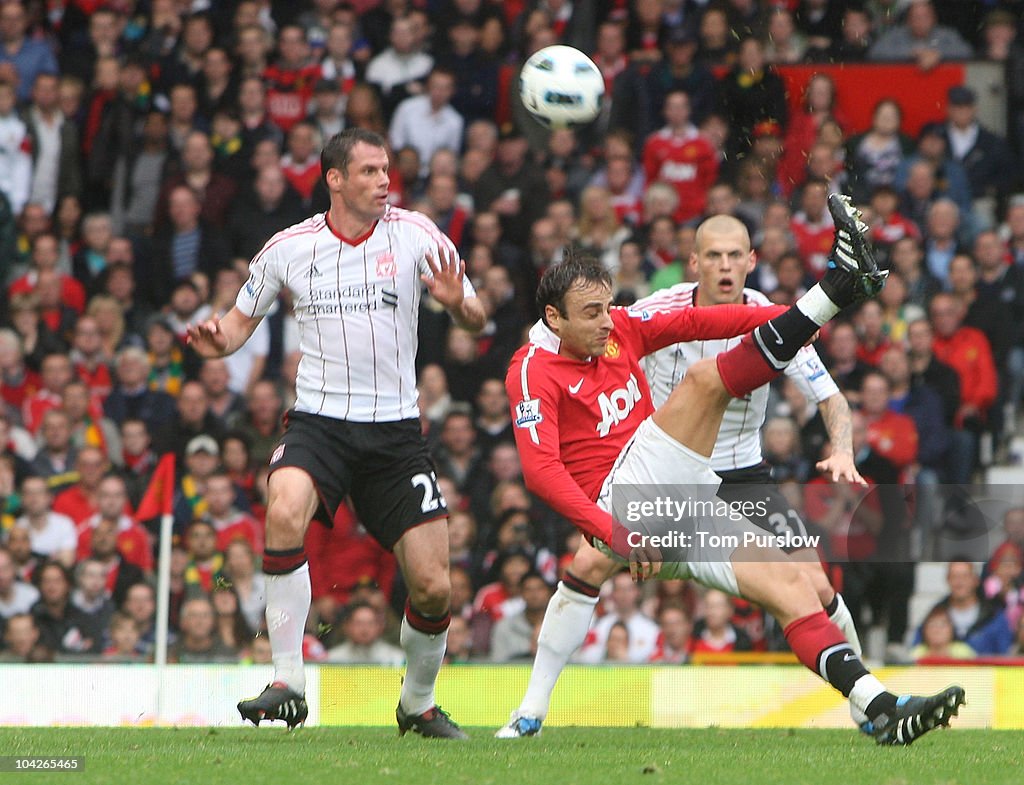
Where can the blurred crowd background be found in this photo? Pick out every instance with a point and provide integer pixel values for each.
(149, 149)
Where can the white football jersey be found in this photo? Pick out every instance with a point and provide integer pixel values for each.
(739, 439)
(356, 302)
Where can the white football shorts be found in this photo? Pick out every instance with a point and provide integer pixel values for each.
(653, 464)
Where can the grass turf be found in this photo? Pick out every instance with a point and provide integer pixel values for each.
(564, 756)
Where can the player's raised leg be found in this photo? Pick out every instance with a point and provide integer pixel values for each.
(422, 554)
(564, 629)
(291, 503)
(691, 418)
(852, 276)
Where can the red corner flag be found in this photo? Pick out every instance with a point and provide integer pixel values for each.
(159, 497)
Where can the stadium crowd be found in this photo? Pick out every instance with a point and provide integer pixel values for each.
(148, 149)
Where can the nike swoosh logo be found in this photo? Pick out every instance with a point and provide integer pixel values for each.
(848, 656)
(575, 388)
(778, 338)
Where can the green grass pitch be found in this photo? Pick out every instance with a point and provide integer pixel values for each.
(561, 756)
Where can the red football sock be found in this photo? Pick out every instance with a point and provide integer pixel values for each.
(821, 647)
(744, 368)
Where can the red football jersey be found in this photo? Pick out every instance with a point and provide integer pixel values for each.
(303, 175)
(133, 542)
(628, 208)
(688, 163)
(288, 93)
(573, 417)
(814, 242)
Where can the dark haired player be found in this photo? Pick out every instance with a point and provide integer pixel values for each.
(585, 423)
(355, 274)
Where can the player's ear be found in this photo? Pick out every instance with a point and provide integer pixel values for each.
(693, 262)
(333, 178)
(552, 316)
(751, 261)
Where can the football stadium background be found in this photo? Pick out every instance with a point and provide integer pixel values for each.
(755, 690)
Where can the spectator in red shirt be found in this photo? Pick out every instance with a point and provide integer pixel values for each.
(45, 257)
(812, 227)
(889, 225)
(80, 500)
(496, 600)
(890, 435)
(610, 56)
(715, 633)
(17, 380)
(56, 315)
(90, 360)
(818, 105)
(967, 350)
(871, 340)
(680, 156)
(619, 174)
(229, 522)
(131, 539)
(56, 373)
(301, 165)
(291, 80)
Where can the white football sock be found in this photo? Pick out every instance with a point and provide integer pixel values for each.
(423, 656)
(842, 618)
(816, 306)
(565, 627)
(865, 690)
(288, 599)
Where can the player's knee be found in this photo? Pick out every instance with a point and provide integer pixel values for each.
(702, 382)
(431, 594)
(287, 519)
(706, 379)
(820, 582)
(591, 566)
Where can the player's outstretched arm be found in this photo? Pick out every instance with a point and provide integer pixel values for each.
(445, 283)
(840, 465)
(220, 336)
(660, 328)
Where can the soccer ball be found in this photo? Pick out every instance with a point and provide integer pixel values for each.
(561, 86)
